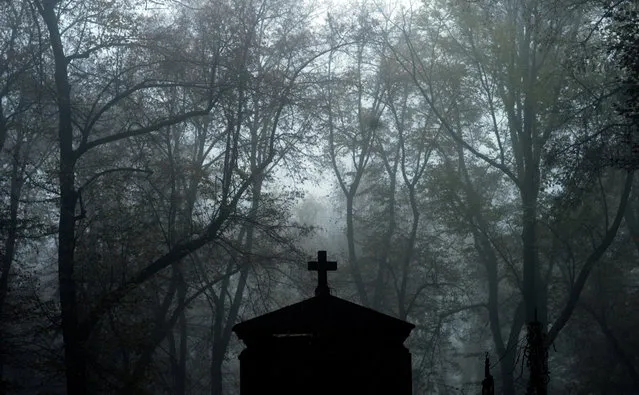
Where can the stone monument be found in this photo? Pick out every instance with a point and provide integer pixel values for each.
(324, 345)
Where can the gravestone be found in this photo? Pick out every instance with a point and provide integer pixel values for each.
(324, 345)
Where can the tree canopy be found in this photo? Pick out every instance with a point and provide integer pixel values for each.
(167, 167)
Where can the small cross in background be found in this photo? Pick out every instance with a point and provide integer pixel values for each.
(322, 266)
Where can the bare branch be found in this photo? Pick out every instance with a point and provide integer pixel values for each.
(411, 69)
(105, 172)
(594, 257)
(143, 130)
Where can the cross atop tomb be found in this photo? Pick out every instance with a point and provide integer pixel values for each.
(321, 267)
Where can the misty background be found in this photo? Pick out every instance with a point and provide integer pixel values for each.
(167, 168)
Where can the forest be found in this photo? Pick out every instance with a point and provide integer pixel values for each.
(168, 167)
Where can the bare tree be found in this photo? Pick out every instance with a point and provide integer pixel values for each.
(508, 55)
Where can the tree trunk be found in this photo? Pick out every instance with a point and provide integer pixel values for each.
(536, 331)
(160, 330)
(217, 354)
(507, 368)
(74, 355)
(352, 254)
(221, 342)
(592, 259)
(12, 230)
(222, 335)
(507, 351)
(632, 223)
(408, 252)
(617, 348)
(6, 256)
(382, 265)
(180, 372)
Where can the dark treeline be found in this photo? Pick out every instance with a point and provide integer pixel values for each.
(164, 165)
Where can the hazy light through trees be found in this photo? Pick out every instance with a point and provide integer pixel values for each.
(167, 168)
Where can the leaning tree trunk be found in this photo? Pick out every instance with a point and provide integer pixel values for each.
(620, 352)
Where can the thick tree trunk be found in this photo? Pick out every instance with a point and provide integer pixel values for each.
(73, 344)
(74, 355)
(538, 357)
(530, 262)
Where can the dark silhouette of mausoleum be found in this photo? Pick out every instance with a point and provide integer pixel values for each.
(324, 345)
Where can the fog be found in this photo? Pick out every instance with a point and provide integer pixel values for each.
(168, 168)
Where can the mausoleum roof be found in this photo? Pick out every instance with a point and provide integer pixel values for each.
(328, 315)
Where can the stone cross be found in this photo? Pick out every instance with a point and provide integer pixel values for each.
(322, 266)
